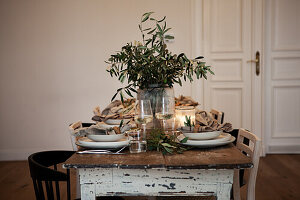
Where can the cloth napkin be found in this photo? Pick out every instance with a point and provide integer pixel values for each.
(185, 101)
(205, 123)
(115, 110)
(77, 130)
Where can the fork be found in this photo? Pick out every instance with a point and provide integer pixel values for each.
(102, 151)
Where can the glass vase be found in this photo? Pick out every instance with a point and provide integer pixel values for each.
(156, 95)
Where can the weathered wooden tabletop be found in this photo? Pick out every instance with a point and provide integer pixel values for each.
(225, 157)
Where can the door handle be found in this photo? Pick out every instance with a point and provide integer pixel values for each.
(257, 63)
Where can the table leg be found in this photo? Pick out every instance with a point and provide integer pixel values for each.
(223, 191)
(88, 191)
(78, 193)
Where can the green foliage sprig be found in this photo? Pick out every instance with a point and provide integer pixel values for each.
(150, 62)
(188, 122)
(157, 140)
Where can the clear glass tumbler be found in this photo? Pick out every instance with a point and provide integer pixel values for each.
(138, 143)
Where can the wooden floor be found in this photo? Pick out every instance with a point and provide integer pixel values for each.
(278, 178)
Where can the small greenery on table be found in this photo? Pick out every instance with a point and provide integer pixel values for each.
(158, 140)
(188, 122)
(150, 62)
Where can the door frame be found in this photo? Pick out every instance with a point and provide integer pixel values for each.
(257, 120)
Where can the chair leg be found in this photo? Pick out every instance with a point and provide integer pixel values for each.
(236, 185)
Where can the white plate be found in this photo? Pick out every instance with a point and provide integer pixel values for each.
(116, 121)
(208, 143)
(87, 143)
(220, 138)
(203, 135)
(106, 138)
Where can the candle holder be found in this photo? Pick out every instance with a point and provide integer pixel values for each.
(181, 113)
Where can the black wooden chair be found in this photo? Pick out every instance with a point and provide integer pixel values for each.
(43, 175)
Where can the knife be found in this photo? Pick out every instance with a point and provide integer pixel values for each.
(98, 152)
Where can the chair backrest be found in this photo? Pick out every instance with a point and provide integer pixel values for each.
(43, 171)
(217, 115)
(75, 133)
(249, 144)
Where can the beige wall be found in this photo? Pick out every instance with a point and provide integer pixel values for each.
(52, 66)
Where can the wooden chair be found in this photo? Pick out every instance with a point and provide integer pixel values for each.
(253, 151)
(40, 164)
(75, 133)
(218, 115)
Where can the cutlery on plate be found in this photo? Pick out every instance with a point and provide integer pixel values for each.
(97, 152)
(102, 151)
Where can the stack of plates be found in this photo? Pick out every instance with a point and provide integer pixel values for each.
(98, 140)
(208, 139)
(91, 144)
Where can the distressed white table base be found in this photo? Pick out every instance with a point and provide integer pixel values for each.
(155, 182)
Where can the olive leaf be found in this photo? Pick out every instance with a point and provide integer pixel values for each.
(184, 140)
(121, 124)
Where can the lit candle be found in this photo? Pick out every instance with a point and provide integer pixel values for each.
(181, 113)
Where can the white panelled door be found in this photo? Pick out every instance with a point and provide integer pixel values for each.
(228, 48)
(232, 33)
(282, 61)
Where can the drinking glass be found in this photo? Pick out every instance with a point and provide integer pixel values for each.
(137, 142)
(165, 109)
(143, 114)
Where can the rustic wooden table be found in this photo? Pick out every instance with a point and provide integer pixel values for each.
(201, 172)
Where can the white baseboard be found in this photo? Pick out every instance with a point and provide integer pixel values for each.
(284, 149)
(18, 154)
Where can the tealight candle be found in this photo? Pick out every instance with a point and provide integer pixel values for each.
(181, 113)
